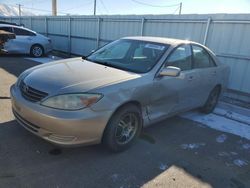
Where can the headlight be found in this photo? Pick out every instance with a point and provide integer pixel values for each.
(72, 101)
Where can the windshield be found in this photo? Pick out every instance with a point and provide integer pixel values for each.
(131, 55)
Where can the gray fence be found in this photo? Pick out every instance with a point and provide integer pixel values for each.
(226, 34)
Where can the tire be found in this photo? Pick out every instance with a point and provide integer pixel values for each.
(36, 50)
(119, 133)
(211, 101)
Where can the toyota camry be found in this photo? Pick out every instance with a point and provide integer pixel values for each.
(111, 95)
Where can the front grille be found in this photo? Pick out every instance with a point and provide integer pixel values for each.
(26, 123)
(30, 93)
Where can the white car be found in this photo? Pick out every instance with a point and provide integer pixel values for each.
(26, 42)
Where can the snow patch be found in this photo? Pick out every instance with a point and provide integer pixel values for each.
(220, 123)
(240, 162)
(114, 177)
(163, 166)
(221, 138)
(246, 146)
(223, 154)
(233, 153)
(232, 115)
(192, 146)
(44, 59)
(227, 154)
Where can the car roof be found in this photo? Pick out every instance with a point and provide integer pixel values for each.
(16, 26)
(170, 41)
(163, 40)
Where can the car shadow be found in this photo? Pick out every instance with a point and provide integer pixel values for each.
(174, 152)
(16, 64)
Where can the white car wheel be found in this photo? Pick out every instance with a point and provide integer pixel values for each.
(36, 51)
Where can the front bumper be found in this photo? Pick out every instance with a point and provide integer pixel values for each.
(65, 128)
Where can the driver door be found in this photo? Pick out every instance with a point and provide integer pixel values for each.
(174, 94)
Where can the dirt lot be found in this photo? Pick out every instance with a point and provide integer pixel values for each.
(174, 153)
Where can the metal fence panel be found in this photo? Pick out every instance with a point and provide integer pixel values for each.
(38, 24)
(112, 29)
(58, 26)
(86, 28)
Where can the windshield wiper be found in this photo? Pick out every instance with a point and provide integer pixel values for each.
(109, 64)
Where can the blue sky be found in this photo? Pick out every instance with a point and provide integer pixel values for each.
(85, 7)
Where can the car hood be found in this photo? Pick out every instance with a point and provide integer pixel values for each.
(74, 75)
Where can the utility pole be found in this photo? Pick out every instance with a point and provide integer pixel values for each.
(19, 10)
(54, 8)
(94, 7)
(180, 8)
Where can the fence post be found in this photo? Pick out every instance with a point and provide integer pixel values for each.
(31, 23)
(98, 32)
(69, 36)
(142, 26)
(46, 25)
(207, 30)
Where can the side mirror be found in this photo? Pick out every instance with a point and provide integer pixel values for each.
(170, 71)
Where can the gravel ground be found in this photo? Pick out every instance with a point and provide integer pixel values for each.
(173, 153)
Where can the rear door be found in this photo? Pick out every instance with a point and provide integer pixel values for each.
(171, 95)
(205, 66)
(23, 41)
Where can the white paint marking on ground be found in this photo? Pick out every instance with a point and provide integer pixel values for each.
(220, 123)
(222, 138)
(192, 146)
(44, 59)
(240, 162)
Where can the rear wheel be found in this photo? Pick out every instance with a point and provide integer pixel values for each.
(211, 101)
(36, 51)
(123, 128)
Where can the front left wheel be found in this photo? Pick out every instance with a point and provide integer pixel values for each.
(123, 128)
(37, 51)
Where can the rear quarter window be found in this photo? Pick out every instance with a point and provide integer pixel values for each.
(23, 32)
(201, 58)
(8, 29)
